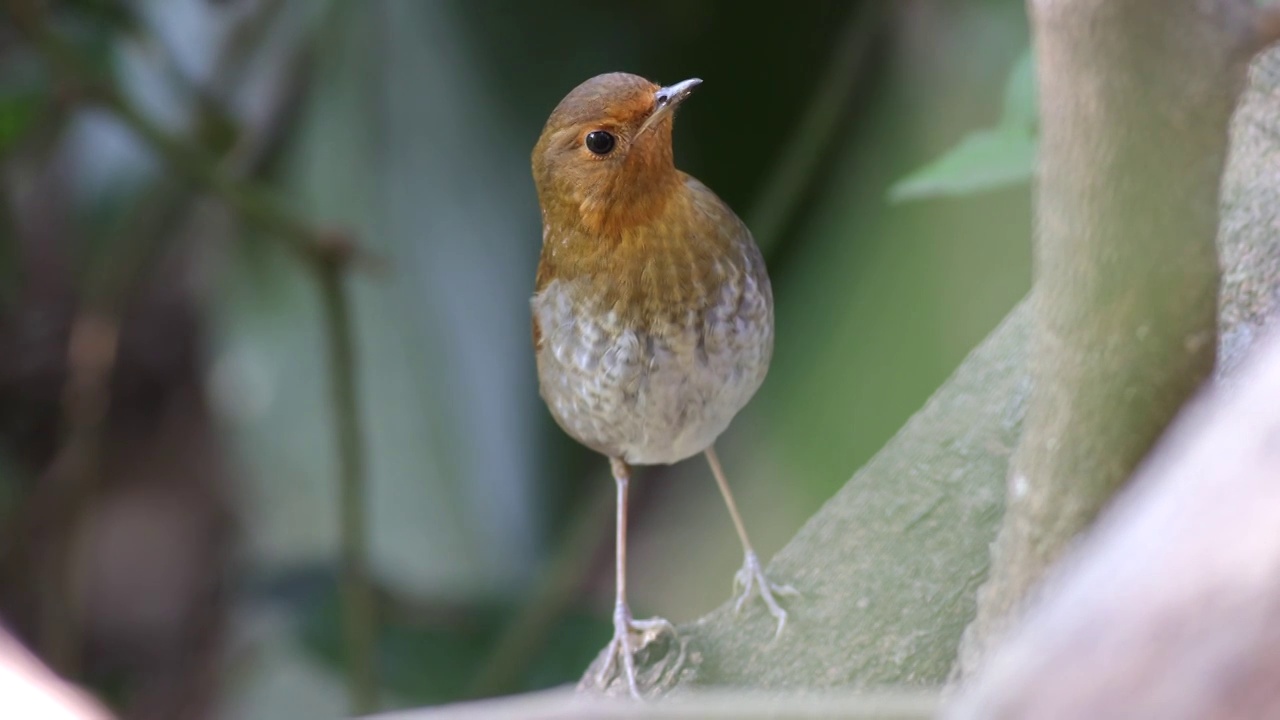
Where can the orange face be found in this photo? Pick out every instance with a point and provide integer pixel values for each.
(604, 159)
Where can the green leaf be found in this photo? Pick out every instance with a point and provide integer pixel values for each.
(984, 160)
(1020, 104)
(987, 159)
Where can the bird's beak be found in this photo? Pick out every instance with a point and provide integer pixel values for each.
(666, 99)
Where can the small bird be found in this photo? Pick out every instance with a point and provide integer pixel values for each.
(652, 309)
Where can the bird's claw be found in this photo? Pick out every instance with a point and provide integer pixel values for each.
(625, 646)
(750, 577)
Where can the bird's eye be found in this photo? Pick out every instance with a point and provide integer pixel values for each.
(600, 142)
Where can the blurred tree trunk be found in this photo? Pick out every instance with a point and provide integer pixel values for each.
(1135, 100)
(1169, 607)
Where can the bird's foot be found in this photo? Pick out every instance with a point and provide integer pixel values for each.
(630, 636)
(750, 580)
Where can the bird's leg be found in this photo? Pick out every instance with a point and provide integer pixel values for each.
(750, 578)
(623, 645)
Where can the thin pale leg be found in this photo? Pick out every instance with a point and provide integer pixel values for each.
(751, 576)
(623, 645)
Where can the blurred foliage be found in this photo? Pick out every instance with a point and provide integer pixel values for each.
(415, 131)
(985, 159)
(429, 657)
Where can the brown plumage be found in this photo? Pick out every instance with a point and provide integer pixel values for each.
(652, 309)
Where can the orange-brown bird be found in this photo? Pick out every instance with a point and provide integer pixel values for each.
(652, 310)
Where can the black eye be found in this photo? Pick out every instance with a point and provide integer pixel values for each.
(600, 142)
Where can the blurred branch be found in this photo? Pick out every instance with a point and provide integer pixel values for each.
(359, 623)
(140, 238)
(564, 704)
(252, 203)
(70, 481)
(812, 139)
(234, 56)
(1119, 342)
(1169, 606)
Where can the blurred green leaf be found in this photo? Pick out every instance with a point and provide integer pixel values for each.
(423, 663)
(1020, 110)
(985, 159)
(430, 660)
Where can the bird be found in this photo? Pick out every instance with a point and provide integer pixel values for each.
(653, 320)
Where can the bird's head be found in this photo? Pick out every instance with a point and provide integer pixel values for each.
(604, 159)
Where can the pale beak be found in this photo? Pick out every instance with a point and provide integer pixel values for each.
(666, 100)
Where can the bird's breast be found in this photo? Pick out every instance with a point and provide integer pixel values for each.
(659, 386)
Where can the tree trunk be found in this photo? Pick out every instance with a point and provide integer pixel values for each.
(1135, 101)
(1169, 608)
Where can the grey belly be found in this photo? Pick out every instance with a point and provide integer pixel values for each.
(652, 396)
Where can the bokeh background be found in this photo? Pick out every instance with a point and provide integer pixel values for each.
(187, 564)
